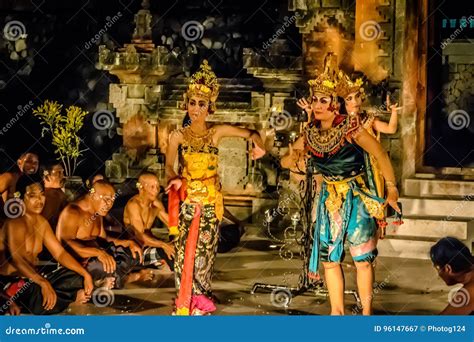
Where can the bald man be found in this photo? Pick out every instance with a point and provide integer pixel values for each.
(140, 213)
(81, 230)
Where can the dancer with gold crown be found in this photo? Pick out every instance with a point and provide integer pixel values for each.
(196, 186)
(346, 209)
(353, 94)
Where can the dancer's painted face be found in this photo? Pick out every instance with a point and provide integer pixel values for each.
(198, 108)
(34, 198)
(353, 101)
(320, 104)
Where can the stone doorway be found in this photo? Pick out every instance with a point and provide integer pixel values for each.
(449, 128)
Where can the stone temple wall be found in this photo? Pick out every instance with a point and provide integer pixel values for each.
(458, 91)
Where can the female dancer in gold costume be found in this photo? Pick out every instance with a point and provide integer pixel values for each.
(199, 192)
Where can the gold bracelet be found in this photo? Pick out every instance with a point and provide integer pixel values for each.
(390, 184)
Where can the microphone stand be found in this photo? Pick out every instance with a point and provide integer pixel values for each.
(282, 293)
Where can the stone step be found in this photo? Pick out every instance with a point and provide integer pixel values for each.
(439, 188)
(415, 237)
(432, 228)
(410, 249)
(446, 208)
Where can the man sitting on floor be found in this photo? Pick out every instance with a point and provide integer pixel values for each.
(26, 287)
(81, 230)
(53, 179)
(27, 167)
(455, 265)
(140, 213)
(27, 164)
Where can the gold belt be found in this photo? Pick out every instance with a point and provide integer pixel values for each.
(342, 181)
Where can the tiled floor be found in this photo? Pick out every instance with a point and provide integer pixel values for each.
(404, 287)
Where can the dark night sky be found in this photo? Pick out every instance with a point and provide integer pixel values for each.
(62, 68)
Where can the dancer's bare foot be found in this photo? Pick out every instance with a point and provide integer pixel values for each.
(108, 283)
(81, 297)
(142, 275)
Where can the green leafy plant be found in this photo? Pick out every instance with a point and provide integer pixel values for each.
(64, 129)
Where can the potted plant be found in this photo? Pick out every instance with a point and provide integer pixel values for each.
(64, 129)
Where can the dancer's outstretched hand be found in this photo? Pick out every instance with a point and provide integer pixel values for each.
(391, 107)
(304, 104)
(176, 183)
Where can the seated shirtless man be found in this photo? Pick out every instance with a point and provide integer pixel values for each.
(140, 213)
(27, 167)
(80, 229)
(27, 164)
(25, 286)
(56, 199)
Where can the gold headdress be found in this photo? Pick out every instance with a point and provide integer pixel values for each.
(326, 82)
(345, 85)
(203, 84)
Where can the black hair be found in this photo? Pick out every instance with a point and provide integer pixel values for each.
(24, 154)
(342, 105)
(48, 168)
(25, 181)
(451, 251)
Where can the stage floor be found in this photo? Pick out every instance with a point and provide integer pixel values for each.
(405, 286)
